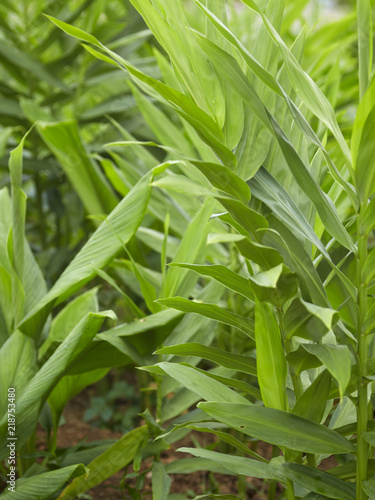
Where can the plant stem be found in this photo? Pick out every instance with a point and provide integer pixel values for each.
(273, 484)
(362, 407)
(290, 489)
(297, 386)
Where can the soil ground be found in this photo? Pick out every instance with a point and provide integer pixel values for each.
(75, 430)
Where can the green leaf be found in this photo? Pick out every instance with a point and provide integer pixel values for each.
(190, 249)
(189, 465)
(365, 44)
(18, 208)
(223, 275)
(301, 360)
(17, 254)
(368, 271)
(238, 465)
(369, 487)
(68, 317)
(368, 220)
(266, 188)
(299, 261)
(205, 126)
(267, 78)
(337, 360)
(183, 185)
(162, 126)
(44, 485)
(308, 321)
(160, 319)
(161, 482)
(64, 140)
(317, 392)
(108, 463)
(318, 481)
(264, 256)
(227, 438)
(73, 31)
(237, 362)
(271, 362)
(243, 387)
(224, 179)
(103, 245)
(17, 365)
(21, 61)
(246, 217)
(278, 427)
(201, 384)
(230, 69)
(210, 311)
(275, 285)
(304, 86)
(68, 387)
(362, 145)
(30, 403)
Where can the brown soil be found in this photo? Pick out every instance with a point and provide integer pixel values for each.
(76, 430)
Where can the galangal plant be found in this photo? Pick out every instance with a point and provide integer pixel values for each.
(299, 203)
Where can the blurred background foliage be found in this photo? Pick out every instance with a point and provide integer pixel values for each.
(73, 177)
(81, 104)
(48, 77)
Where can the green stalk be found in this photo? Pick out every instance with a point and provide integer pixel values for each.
(297, 386)
(273, 484)
(362, 406)
(290, 489)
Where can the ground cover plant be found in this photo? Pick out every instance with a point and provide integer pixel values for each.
(263, 208)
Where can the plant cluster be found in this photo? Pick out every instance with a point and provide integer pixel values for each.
(237, 232)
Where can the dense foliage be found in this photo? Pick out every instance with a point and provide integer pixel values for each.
(210, 166)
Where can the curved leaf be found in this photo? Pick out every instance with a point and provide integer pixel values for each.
(319, 481)
(237, 362)
(211, 311)
(238, 465)
(44, 485)
(279, 427)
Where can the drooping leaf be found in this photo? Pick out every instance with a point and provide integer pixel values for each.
(17, 365)
(244, 364)
(210, 311)
(279, 428)
(362, 145)
(224, 179)
(103, 245)
(231, 70)
(275, 285)
(223, 275)
(44, 485)
(201, 384)
(108, 463)
(317, 392)
(337, 360)
(308, 321)
(238, 465)
(319, 481)
(30, 403)
(161, 482)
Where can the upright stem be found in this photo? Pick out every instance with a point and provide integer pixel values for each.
(297, 386)
(290, 489)
(296, 380)
(362, 407)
